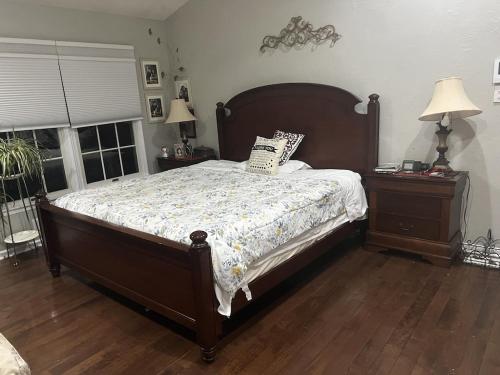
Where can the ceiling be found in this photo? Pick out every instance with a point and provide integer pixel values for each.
(150, 9)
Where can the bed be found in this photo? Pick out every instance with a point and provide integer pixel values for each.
(87, 233)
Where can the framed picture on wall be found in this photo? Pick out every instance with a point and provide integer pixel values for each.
(183, 91)
(496, 71)
(155, 107)
(151, 74)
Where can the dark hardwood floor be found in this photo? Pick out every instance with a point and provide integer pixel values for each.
(352, 312)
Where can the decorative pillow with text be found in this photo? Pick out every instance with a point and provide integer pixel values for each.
(265, 156)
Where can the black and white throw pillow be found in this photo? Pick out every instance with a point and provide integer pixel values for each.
(265, 155)
(293, 141)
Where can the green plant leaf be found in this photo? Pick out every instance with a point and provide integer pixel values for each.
(18, 155)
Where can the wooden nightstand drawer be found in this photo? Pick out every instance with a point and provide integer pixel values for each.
(411, 205)
(408, 226)
(417, 214)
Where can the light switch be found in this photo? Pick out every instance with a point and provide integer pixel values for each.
(496, 95)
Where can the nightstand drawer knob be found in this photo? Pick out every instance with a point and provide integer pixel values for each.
(405, 228)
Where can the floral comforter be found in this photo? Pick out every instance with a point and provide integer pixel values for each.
(246, 215)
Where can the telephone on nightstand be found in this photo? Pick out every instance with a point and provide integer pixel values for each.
(414, 166)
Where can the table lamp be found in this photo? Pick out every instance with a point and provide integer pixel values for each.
(449, 99)
(179, 112)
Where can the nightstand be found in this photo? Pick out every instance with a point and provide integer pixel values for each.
(417, 214)
(166, 164)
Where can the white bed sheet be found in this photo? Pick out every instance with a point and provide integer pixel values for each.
(279, 255)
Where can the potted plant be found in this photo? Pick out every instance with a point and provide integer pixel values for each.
(19, 157)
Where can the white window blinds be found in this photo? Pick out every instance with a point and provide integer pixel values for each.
(100, 82)
(31, 92)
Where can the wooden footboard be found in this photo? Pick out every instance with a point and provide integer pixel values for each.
(171, 278)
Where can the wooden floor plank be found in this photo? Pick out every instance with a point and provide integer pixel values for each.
(353, 312)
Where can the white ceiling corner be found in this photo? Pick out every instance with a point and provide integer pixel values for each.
(149, 9)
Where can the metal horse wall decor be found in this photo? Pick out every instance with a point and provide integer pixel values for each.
(298, 33)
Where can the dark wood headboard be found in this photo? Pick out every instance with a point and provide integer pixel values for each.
(336, 136)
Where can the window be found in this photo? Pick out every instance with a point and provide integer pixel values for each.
(108, 151)
(87, 113)
(81, 156)
(54, 176)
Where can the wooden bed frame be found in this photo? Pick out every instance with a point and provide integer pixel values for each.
(176, 280)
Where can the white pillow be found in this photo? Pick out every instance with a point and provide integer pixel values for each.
(289, 167)
(265, 155)
(293, 165)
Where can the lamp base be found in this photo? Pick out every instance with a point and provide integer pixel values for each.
(442, 166)
(188, 149)
(442, 163)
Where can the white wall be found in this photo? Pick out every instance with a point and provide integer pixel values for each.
(392, 47)
(41, 22)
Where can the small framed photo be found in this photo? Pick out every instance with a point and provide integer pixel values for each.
(183, 91)
(496, 71)
(156, 109)
(151, 74)
(180, 152)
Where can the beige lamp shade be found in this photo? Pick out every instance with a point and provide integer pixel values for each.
(179, 112)
(449, 98)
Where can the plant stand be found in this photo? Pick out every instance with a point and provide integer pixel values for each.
(20, 238)
(13, 239)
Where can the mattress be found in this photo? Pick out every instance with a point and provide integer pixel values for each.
(246, 215)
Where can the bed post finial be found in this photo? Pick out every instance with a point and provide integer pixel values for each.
(41, 196)
(374, 98)
(199, 239)
(373, 125)
(204, 298)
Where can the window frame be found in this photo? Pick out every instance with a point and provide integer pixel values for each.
(80, 180)
(73, 162)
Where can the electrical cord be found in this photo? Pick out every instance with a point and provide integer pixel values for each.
(466, 209)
